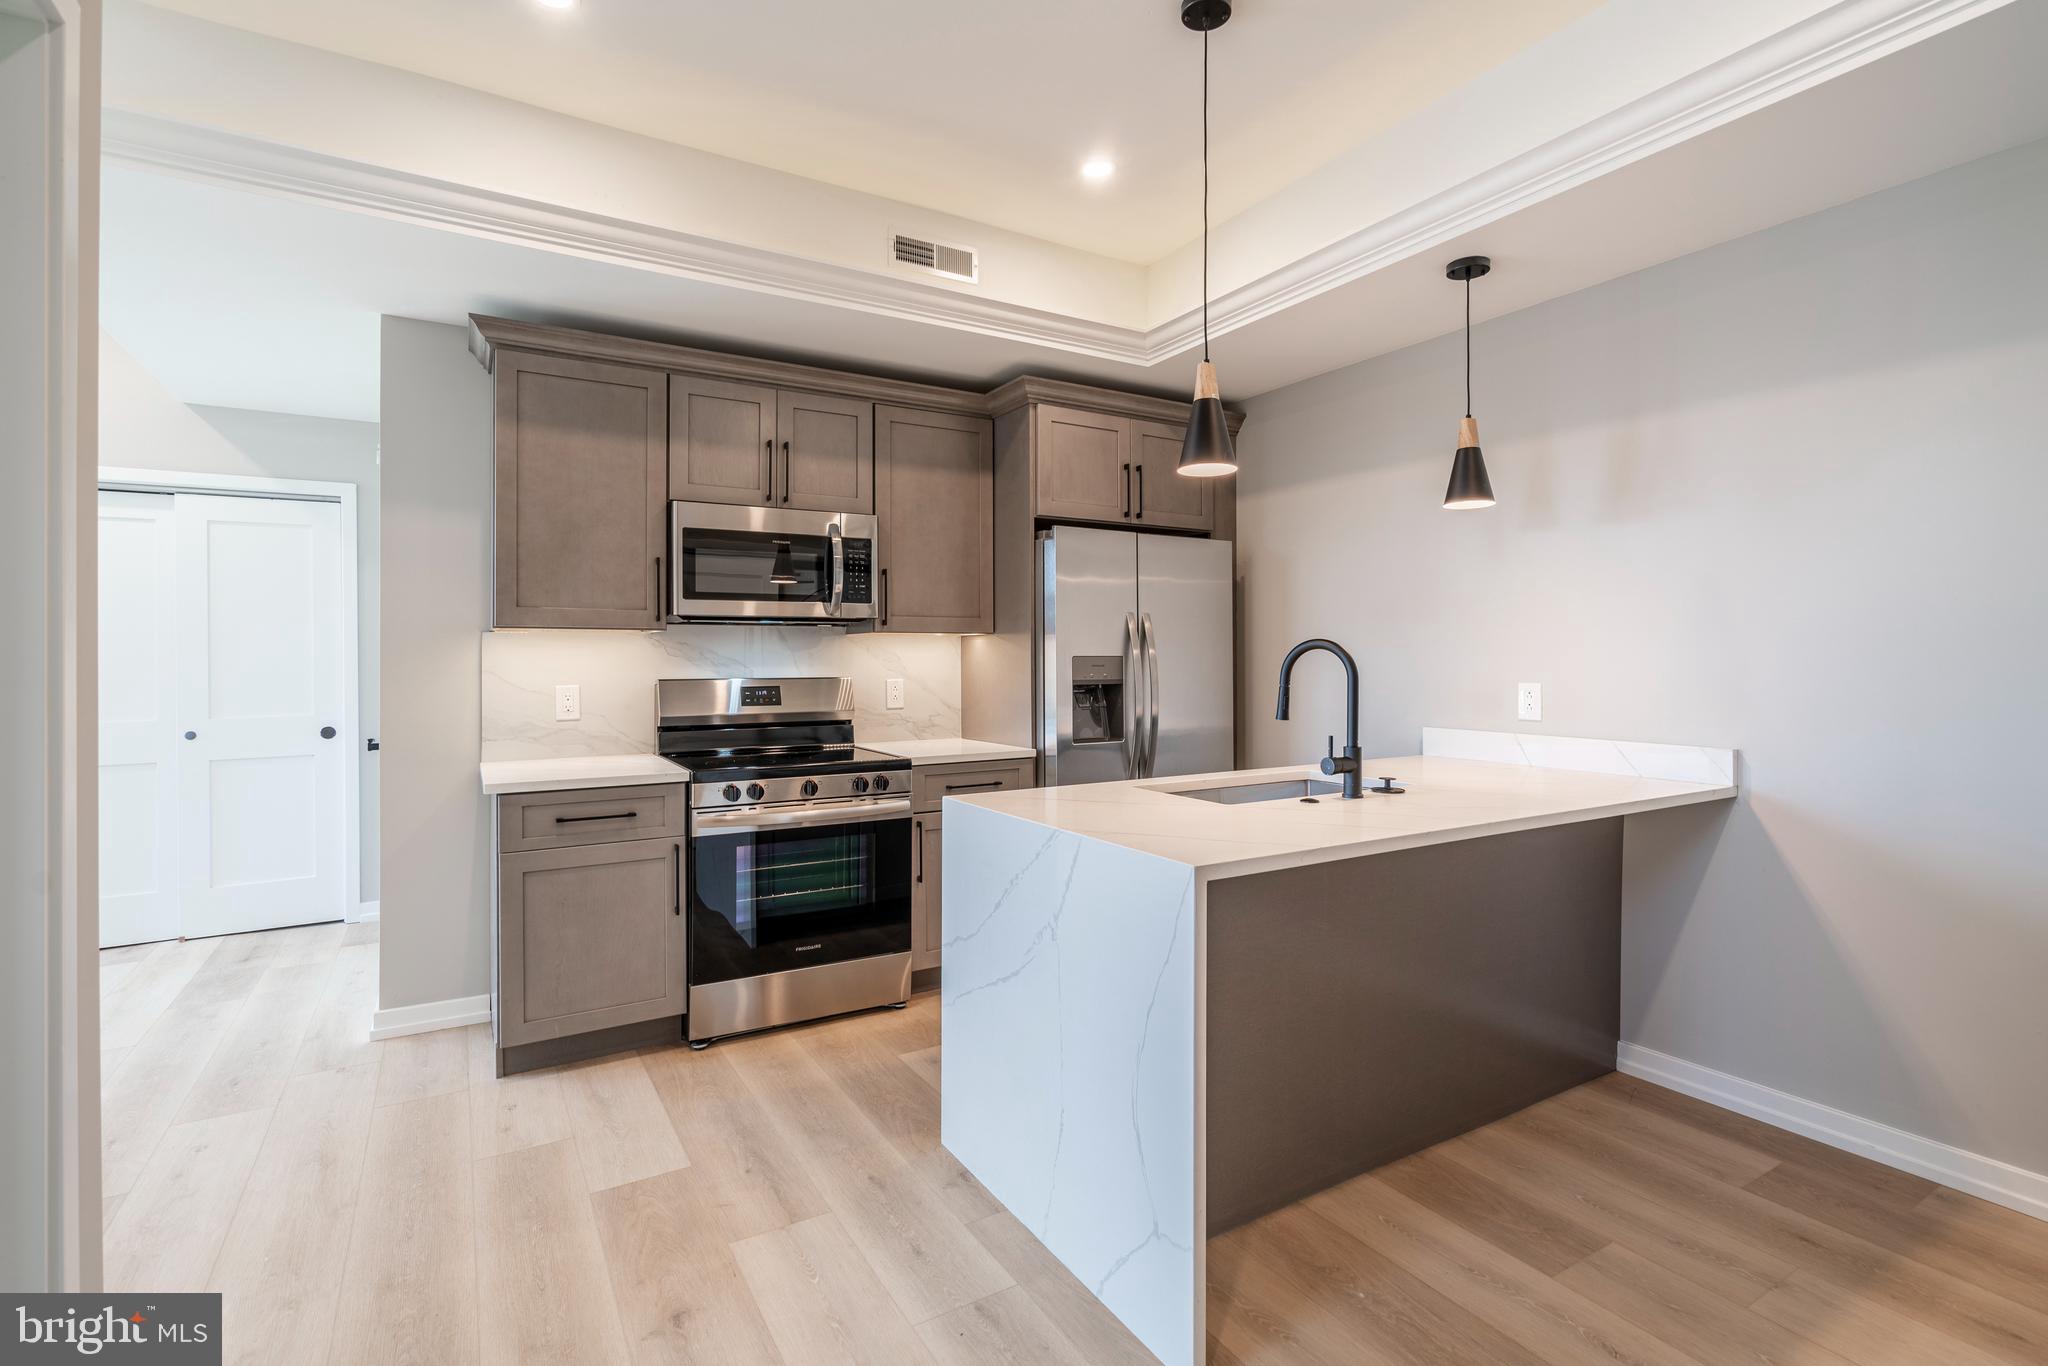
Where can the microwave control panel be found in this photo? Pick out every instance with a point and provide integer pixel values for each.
(860, 571)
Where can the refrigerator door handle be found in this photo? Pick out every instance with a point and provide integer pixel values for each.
(1151, 759)
(1133, 748)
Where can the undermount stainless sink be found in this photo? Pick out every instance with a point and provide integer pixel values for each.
(1274, 790)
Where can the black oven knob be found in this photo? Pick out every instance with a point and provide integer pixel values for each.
(860, 784)
(755, 792)
(810, 787)
(731, 792)
(881, 783)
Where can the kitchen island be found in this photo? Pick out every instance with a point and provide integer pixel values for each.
(1172, 1005)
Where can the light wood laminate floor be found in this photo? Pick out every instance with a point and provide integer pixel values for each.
(784, 1199)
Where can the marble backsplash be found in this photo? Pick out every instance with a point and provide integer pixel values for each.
(615, 672)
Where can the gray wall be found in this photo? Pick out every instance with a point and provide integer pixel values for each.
(1785, 495)
(435, 408)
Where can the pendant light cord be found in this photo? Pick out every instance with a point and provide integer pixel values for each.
(1468, 346)
(1205, 194)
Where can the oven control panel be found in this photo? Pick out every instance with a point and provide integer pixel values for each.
(860, 571)
(712, 793)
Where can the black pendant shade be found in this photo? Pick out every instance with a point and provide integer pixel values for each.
(1469, 486)
(1206, 451)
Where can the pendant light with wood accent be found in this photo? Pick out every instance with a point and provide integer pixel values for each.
(1206, 452)
(1469, 487)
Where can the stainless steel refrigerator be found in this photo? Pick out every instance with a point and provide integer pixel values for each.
(1134, 668)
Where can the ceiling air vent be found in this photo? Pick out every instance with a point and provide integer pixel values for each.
(955, 263)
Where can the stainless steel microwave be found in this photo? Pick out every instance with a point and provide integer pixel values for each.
(729, 563)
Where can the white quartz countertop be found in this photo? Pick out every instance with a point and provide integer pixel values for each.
(1446, 799)
(955, 751)
(585, 770)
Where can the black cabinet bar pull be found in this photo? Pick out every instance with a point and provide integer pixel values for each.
(679, 879)
(660, 592)
(918, 845)
(973, 787)
(614, 816)
(885, 596)
(770, 444)
(785, 471)
(1141, 493)
(1127, 489)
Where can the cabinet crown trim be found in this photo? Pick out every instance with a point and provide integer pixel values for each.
(488, 334)
(1030, 389)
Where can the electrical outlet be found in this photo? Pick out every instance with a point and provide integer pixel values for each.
(1528, 701)
(895, 694)
(568, 702)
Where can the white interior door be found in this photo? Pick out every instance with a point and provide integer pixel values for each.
(260, 700)
(138, 719)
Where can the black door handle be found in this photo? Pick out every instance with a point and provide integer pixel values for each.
(326, 732)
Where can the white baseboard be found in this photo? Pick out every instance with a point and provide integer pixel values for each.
(429, 1016)
(367, 910)
(1999, 1182)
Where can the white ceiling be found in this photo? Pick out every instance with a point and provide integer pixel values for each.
(972, 107)
(270, 300)
(250, 300)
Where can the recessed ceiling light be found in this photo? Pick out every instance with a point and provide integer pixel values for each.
(1097, 169)
(557, 4)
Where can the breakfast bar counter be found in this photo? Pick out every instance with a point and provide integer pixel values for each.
(1172, 1005)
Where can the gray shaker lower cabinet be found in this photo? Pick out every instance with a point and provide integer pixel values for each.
(590, 938)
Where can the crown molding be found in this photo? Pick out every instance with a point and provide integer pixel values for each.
(487, 334)
(1829, 44)
(217, 157)
(1028, 389)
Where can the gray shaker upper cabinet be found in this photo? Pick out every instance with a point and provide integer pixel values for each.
(935, 493)
(582, 470)
(721, 441)
(1160, 496)
(827, 448)
(1084, 464)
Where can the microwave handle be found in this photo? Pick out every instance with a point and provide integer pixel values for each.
(838, 570)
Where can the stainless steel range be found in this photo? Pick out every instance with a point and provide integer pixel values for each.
(799, 869)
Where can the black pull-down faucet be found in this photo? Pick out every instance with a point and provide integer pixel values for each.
(1348, 764)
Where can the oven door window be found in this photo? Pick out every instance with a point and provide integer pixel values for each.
(755, 566)
(776, 899)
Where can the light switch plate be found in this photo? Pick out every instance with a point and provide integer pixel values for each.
(895, 694)
(568, 702)
(1528, 701)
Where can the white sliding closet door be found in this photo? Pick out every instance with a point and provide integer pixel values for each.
(138, 719)
(260, 700)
